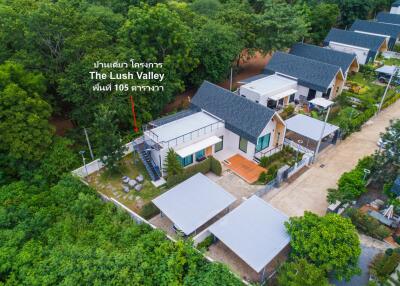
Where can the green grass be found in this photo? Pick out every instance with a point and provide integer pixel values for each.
(103, 182)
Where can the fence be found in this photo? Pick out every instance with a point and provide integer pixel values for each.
(97, 165)
(295, 168)
(271, 185)
(297, 146)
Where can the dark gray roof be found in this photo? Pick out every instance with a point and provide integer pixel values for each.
(396, 4)
(352, 38)
(325, 55)
(172, 117)
(385, 17)
(252, 78)
(241, 115)
(376, 28)
(310, 73)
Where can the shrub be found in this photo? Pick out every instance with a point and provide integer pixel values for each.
(149, 210)
(287, 112)
(368, 224)
(209, 164)
(383, 265)
(206, 243)
(262, 178)
(216, 167)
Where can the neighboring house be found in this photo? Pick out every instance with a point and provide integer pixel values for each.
(395, 9)
(314, 78)
(365, 46)
(388, 18)
(273, 91)
(347, 62)
(255, 233)
(389, 31)
(192, 203)
(217, 120)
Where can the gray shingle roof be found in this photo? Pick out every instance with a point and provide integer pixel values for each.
(241, 115)
(377, 28)
(325, 55)
(370, 42)
(396, 4)
(385, 17)
(172, 117)
(252, 78)
(310, 73)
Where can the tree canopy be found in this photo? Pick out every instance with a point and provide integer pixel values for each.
(330, 242)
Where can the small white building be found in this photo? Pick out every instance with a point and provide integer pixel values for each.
(395, 9)
(273, 91)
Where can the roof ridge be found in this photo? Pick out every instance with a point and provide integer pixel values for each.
(311, 60)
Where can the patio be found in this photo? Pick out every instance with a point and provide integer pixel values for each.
(244, 168)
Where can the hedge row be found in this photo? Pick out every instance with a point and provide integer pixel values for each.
(208, 165)
(367, 224)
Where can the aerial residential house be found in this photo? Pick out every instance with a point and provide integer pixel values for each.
(347, 62)
(314, 78)
(389, 18)
(389, 31)
(252, 238)
(218, 122)
(395, 9)
(273, 91)
(365, 46)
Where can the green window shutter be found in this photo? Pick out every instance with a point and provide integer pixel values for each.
(243, 145)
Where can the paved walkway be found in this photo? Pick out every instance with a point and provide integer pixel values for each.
(309, 191)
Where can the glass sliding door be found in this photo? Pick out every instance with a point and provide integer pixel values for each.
(263, 142)
(186, 161)
(243, 145)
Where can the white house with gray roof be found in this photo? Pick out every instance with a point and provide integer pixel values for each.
(218, 122)
(314, 78)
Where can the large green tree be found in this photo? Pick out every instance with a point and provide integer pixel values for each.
(217, 47)
(24, 127)
(108, 143)
(330, 242)
(322, 17)
(279, 26)
(301, 273)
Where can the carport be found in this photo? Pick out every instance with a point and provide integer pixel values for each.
(193, 203)
(255, 233)
(306, 131)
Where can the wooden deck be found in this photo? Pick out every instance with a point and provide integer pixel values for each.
(244, 168)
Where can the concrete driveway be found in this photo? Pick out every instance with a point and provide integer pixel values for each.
(309, 191)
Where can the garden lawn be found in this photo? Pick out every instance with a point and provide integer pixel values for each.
(111, 184)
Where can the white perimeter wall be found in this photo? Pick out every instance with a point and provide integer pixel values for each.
(395, 10)
(361, 53)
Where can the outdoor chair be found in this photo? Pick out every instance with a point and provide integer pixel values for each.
(140, 178)
(138, 187)
(125, 179)
(132, 183)
(125, 189)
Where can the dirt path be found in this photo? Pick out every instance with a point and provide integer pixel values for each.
(249, 68)
(309, 191)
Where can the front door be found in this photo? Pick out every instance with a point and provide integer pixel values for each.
(311, 94)
(208, 151)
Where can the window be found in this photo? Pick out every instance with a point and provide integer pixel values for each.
(220, 145)
(291, 98)
(243, 145)
(200, 154)
(311, 94)
(263, 142)
(187, 160)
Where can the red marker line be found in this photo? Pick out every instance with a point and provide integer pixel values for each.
(135, 128)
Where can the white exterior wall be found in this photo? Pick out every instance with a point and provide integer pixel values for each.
(361, 53)
(158, 156)
(250, 94)
(395, 10)
(231, 141)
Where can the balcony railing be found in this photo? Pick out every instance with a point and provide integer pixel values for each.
(260, 154)
(187, 137)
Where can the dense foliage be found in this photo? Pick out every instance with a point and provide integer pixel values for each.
(301, 273)
(330, 242)
(367, 224)
(67, 235)
(352, 184)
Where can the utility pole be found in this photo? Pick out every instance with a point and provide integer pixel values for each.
(387, 88)
(322, 134)
(231, 79)
(88, 142)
